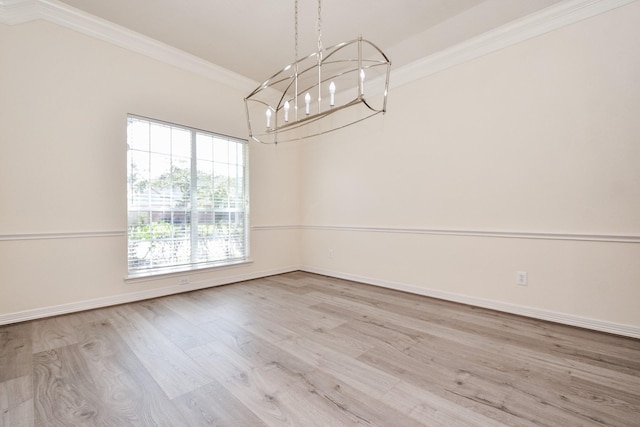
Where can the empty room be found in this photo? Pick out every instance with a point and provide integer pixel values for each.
(319, 213)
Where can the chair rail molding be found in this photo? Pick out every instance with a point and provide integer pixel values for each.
(62, 235)
(512, 234)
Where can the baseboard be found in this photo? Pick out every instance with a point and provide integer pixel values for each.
(563, 318)
(39, 313)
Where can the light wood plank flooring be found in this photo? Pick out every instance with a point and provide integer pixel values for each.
(305, 350)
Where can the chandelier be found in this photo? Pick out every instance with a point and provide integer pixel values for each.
(327, 90)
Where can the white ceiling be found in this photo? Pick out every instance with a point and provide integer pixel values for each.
(255, 38)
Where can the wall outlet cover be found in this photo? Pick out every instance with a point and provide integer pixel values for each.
(522, 278)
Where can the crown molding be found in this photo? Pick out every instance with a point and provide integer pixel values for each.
(561, 14)
(15, 12)
(567, 12)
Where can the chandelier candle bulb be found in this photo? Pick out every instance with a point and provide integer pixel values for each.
(307, 102)
(286, 111)
(332, 94)
(361, 82)
(268, 118)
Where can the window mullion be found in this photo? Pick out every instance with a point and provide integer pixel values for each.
(194, 199)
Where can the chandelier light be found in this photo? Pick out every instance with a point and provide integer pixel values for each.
(327, 90)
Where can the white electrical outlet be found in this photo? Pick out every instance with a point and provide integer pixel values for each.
(330, 253)
(183, 281)
(522, 278)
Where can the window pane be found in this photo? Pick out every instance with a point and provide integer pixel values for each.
(220, 149)
(160, 138)
(205, 184)
(204, 146)
(138, 135)
(181, 143)
(159, 166)
(220, 169)
(233, 154)
(138, 178)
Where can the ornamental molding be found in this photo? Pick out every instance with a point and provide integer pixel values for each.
(567, 12)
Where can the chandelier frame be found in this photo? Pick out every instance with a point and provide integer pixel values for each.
(274, 108)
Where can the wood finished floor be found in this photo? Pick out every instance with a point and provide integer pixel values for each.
(305, 350)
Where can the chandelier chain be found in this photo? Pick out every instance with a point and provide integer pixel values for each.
(319, 25)
(296, 31)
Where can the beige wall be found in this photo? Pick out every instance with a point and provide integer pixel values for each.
(539, 140)
(63, 108)
(542, 137)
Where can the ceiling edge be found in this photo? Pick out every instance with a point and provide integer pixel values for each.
(538, 23)
(14, 12)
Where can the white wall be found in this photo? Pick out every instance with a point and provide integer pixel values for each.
(511, 162)
(64, 99)
(540, 140)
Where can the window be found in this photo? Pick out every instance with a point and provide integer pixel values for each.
(187, 197)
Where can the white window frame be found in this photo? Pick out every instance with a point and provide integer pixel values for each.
(138, 214)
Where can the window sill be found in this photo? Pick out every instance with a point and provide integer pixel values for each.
(161, 273)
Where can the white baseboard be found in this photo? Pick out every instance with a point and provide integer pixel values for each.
(39, 313)
(563, 318)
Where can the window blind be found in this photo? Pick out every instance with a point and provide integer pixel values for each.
(186, 199)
